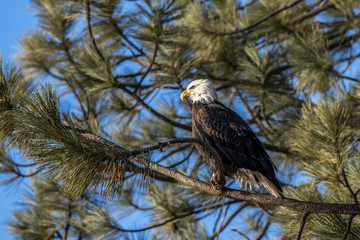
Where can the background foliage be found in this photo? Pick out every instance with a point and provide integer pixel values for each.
(290, 68)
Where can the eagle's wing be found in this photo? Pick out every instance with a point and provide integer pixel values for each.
(233, 138)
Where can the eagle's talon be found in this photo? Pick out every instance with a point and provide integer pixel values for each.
(215, 185)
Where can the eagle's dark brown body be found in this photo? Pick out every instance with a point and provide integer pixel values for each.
(241, 152)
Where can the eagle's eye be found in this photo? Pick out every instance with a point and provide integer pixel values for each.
(192, 87)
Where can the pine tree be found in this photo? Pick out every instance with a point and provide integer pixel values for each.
(94, 105)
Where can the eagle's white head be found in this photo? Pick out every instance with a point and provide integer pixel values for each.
(200, 90)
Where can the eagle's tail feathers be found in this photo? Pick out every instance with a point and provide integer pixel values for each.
(254, 178)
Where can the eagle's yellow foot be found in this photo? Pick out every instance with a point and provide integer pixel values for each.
(215, 184)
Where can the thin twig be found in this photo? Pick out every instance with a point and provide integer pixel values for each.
(162, 223)
(130, 75)
(68, 219)
(151, 63)
(262, 234)
(78, 98)
(228, 221)
(154, 112)
(137, 207)
(121, 33)
(88, 18)
(263, 210)
(180, 149)
(26, 175)
(58, 234)
(185, 158)
(216, 235)
(302, 224)
(219, 216)
(241, 234)
(24, 165)
(348, 226)
(348, 186)
(255, 116)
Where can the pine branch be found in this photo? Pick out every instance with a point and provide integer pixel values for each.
(302, 225)
(312, 13)
(343, 41)
(303, 206)
(254, 25)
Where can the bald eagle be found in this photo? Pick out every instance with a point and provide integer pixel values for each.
(242, 154)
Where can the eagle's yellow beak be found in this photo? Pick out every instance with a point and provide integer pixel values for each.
(185, 94)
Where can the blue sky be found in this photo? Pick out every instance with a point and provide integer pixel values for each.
(15, 19)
